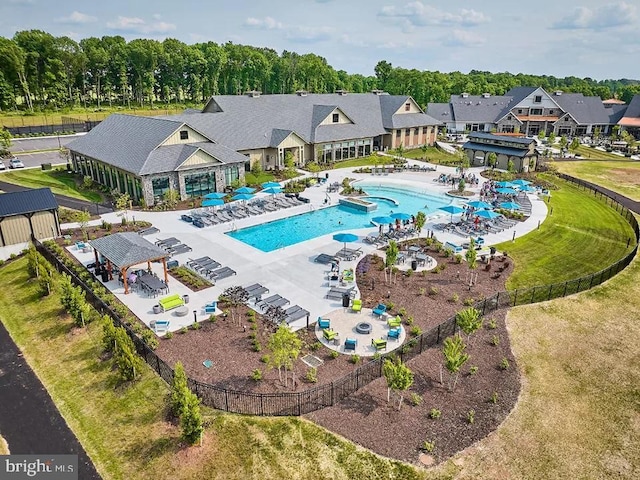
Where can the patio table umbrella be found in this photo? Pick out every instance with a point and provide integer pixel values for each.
(506, 191)
(242, 196)
(272, 190)
(488, 214)
(244, 190)
(452, 209)
(528, 188)
(212, 202)
(521, 183)
(479, 204)
(384, 220)
(510, 206)
(271, 185)
(345, 238)
(215, 195)
(504, 184)
(401, 216)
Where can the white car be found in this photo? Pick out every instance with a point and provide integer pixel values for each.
(15, 163)
(2, 166)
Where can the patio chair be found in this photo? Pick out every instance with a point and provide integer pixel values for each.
(324, 323)
(329, 335)
(295, 313)
(350, 344)
(210, 308)
(380, 310)
(394, 322)
(394, 333)
(356, 305)
(379, 343)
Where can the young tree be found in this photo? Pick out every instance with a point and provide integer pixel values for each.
(552, 138)
(399, 378)
(391, 254)
(314, 168)
(5, 142)
(454, 358)
(465, 163)
(421, 219)
(171, 197)
(285, 347)
(511, 166)
(400, 151)
(541, 135)
(492, 160)
(471, 255)
(575, 143)
(596, 133)
(424, 148)
(469, 320)
(123, 201)
(191, 419)
(108, 334)
(461, 185)
(563, 143)
(83, 221)
(235, 296)
(125, 356)
(179, 390)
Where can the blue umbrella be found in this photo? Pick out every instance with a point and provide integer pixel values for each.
(452, 209)
(528, 188)
(270, 185)
(212, 202)
(242, 190)
(510, 206)
(488, 214)
(521, 183)
(215, 195)
(504, 184)
(401, 216)
(506, 191)
(383, 220)
(242, 196)
(345, 238)
(272, 190)
(479, 204)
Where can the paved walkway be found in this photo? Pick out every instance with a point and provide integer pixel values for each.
(29, 420)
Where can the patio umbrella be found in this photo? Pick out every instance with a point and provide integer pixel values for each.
(488, 214)
(242, 196)
(212, 202)
(215, 195)
(479, 204)
(272, 190)
(506, 191)
(243, 190)
(271, 185)
(401, 216)
(345, 238)
(384, 220)
(528, 188)
(452, 209)
(510, 206)
(504, 184)
(521, 183)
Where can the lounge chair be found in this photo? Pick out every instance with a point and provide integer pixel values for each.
(394, 333)
(324, 323)
(181, 248)
(325, 259)
(148, 231)
(161, 326)
(336, 293)
(329, 334)
(221, 273)
(294, 313)
(273, 301)
(380, 310)
(168, 242)
(379, 343)
(394, 322)
(350, 344)
(356, 305)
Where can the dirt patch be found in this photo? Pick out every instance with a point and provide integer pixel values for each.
(625, 176)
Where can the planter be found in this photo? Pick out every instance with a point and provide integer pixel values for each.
(185, 298)
(157, 309)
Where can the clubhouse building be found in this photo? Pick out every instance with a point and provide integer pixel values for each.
(199, 152)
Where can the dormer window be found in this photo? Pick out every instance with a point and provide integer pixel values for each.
(336, 118)
(407, 107)
(184, 135)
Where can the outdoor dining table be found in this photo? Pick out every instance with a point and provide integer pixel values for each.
(152, 284)
(414, 249)
(422, 258)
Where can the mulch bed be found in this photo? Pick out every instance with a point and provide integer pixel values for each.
(365, 417)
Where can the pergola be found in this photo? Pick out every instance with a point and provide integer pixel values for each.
(127, 249)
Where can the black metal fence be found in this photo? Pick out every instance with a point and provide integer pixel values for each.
(299, 403)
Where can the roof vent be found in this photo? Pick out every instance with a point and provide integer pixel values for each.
(253, 93)
(341, 92)
(557, 93)
(486, 95)
(464, 94)
(302, 93)
(377, 92)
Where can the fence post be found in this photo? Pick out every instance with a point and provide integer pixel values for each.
(564, 294)
(550, 290)
(515, 297)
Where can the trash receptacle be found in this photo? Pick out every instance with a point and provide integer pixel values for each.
(172, 264)
(346, 300)
(492, 250)
(185, 298)
(326, 175)
(414, 265)
(105, 275)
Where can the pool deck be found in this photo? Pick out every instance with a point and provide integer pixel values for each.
(289, 271)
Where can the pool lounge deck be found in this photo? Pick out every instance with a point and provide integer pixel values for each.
(289, 271)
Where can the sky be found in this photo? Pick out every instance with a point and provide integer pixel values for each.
(583, 38)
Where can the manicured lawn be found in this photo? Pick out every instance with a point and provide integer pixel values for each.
(252, 179)
(433, 155)
(620, 175)
(123, 428)
(58, 181)
(582, 236)
(597, 154)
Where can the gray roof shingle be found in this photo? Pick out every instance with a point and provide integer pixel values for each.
(585, 110)
(127, 249)
(27, 201)
(501, 138)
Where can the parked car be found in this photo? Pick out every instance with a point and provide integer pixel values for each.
(2, 165)
(15, 163)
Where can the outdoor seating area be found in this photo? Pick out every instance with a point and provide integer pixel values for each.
(171, 302)
(210, 269)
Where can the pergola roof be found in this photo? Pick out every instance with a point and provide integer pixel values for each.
(127, 249)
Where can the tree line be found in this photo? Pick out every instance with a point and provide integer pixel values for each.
(40, 71)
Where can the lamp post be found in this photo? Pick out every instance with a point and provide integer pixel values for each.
(195, 316)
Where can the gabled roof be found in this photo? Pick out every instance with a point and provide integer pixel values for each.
(525, 142)
(616, 111)
(27, 201)
(585, 110)
(497, 149)
(440, 111)
(631, 116)
(476, 108)
(127, 249)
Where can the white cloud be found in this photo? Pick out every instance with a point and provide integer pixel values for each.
(77, 18)
(138, 25)
(310, 34)
(266, 23)
(462, 38)
(606, 16)
(397, 44)
(417, 14)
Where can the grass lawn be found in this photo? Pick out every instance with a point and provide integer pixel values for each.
(596, 154)
(262, 177)
(123, 428)
(59, 181)
(620, 175)
(582, 236)
(433, 155)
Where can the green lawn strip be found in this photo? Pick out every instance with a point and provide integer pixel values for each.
(123, 428)
(596, 154)
(253, 179)
(582, 236)
(620, 176)
(433, 155)
(60, 182)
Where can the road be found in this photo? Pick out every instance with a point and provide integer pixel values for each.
(40, 143)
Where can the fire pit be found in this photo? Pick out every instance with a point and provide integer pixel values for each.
(364, 328)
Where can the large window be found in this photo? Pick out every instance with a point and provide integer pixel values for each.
(200, 184)
(231, 174)
(535, 111)
(160, 186)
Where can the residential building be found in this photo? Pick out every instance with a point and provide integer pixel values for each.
(196, 153)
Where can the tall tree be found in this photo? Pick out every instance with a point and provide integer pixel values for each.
(285, 347)
(399, 378)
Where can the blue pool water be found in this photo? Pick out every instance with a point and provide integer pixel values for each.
(299, 228)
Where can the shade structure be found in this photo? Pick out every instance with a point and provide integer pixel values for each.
(488, 214)
(452, 209)
(400, 216)
(242, 196)
(215, 195)
(506, 191)
(528, 188)
(520, 182)
(242, 190)
(271, 185)
(504, 184)
(212, 202)
(510, 206)
(345, 238)
(479, 204)
(383, 220)
(272, 190)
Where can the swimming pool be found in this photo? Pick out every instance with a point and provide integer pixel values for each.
(299, 228)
